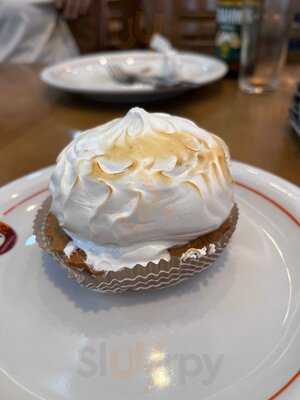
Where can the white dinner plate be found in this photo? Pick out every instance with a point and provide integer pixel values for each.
(231, 333)
(89, 76)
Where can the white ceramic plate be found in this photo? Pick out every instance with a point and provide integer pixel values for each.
(88, 75)
(231, 333)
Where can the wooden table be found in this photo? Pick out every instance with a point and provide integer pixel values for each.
(36, 122)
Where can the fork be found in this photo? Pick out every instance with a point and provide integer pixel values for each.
(129, 78)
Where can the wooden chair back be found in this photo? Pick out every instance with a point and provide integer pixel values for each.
(124, 24)
(190, 24)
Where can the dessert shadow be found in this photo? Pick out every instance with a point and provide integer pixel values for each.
(108, 314)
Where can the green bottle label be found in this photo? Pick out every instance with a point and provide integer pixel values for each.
(228, 37)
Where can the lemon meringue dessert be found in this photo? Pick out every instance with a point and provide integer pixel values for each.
(142, 201)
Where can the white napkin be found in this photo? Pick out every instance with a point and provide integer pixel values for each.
(21, 2)
(171, 63)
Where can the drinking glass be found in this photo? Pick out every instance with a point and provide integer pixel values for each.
(264, 39)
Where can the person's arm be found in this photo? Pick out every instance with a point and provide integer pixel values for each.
(72, 9)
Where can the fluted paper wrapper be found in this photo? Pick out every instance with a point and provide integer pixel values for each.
(185, 261)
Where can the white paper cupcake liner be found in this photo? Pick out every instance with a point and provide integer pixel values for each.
(192, 260)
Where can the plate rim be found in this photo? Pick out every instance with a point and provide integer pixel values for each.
(235, 165)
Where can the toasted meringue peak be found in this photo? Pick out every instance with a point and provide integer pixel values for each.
(130, 189)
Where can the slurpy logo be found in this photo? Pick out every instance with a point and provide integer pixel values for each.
(159, 367)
